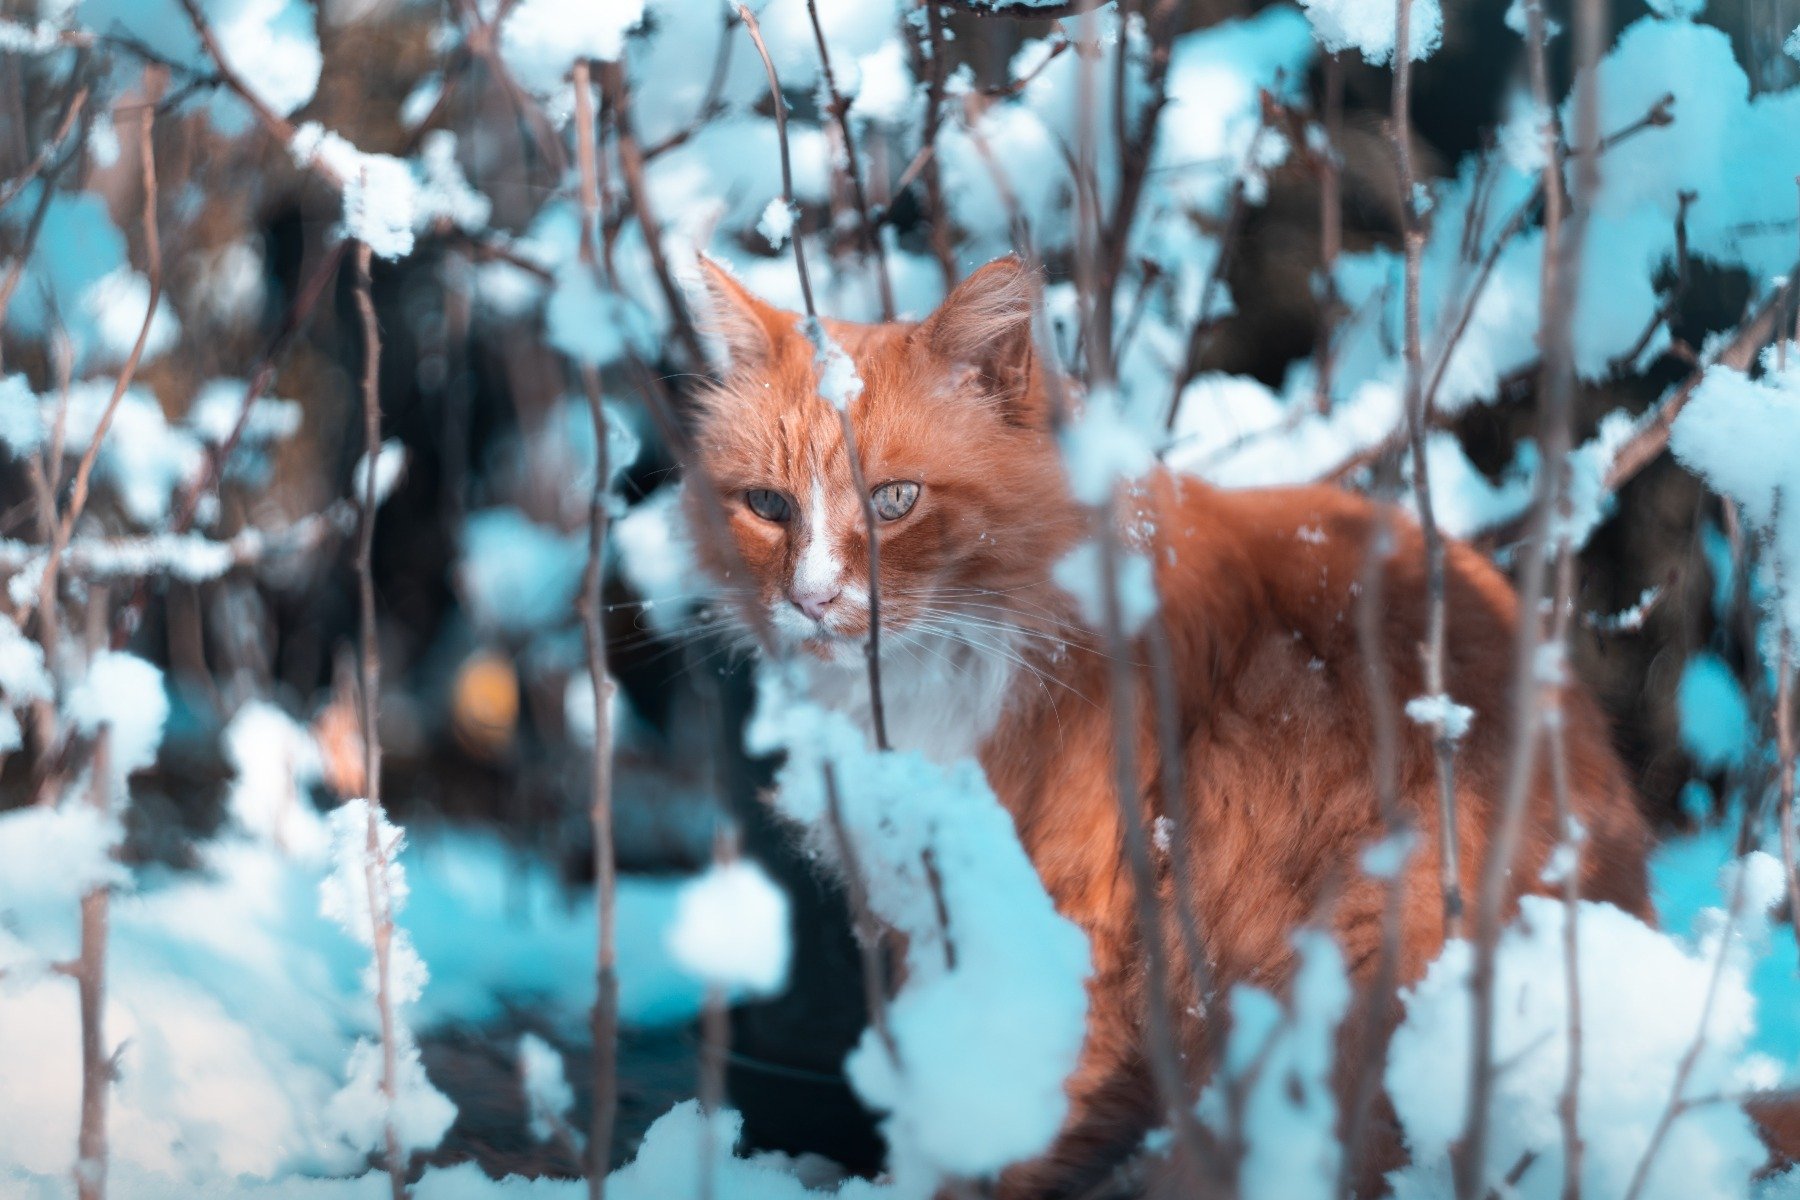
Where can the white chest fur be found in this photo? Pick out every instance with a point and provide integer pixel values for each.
(940, 696)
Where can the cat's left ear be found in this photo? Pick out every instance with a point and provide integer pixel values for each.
(985, 323)
(749, 328)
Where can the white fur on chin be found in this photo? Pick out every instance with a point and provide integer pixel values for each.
(940, 696)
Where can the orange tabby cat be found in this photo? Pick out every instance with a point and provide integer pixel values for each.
(1258, 599)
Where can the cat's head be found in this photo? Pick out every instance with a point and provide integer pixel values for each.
(951, 428)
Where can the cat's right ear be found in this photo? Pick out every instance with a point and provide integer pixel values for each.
(985, 324)
(746, 326)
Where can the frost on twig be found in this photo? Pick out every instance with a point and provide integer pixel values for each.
(386, 1102)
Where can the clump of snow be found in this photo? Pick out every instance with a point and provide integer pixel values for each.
(53, 854)
(367, 881)
(272, 45)
(963, 1096)
(687, 1143)
(143, 459)
(1102, 449)
(1371, 27)
(1082, 573)
(276, 761)
(542, 38)
(1642, 996)
(594, 324)
(17, 38)
(444, 193)
(886, 93)
(116, 305)
(839, 384)
(122, 694)
(777, 223)
(21, 420)
(23, 679)
(548, 1096)
(1442, 715)
(518, 576)
(1742, 435)
(655, 550)
(381, 194)
(731, 929)
(235, 1002)
(214, 414)
(390, 464)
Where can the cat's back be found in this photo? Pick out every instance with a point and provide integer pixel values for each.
(1266, 592)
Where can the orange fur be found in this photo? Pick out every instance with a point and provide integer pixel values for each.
(1258, 592)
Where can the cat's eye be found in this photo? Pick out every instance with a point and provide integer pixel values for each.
(769, 505)
(894, 500)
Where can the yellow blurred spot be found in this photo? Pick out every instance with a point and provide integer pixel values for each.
(485, 704)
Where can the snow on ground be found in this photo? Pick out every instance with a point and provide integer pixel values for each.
(237, 1001)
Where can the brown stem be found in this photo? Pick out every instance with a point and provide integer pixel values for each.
(1677, 1104)
(1560, 288)
(376, 864)
(840, 110)
(16, 273)
(1384, 719)
(932, 50)
(1568, 1106)
(1417, 415)
(71, 113)
(155, 79)
(1331, 232)
(604, 1019)
(1785, 754)
(97, 1068)
(1176, 793)
(821, 341)
(1163, 1052)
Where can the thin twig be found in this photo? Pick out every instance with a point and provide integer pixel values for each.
(1677, 1104)
(1162, 1051)
(1384, 720)
(821, 343)
(1329, 164)
(1785, 754)
(1568, 1105)
(840, 111)
(49, 149)
(376, 866)
(605, 1016)
(1417, 414)
(637, 189)
(1560, 289)
(97, 1070)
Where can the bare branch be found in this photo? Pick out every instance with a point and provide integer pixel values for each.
(1417, 413)
(1560, 287)
(604, 1019)
(155, 79)
(840, 111)
(89, 970)
(51, 147)
(376, 865)
(821, 344)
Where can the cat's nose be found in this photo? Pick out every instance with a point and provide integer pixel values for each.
(814, 601)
